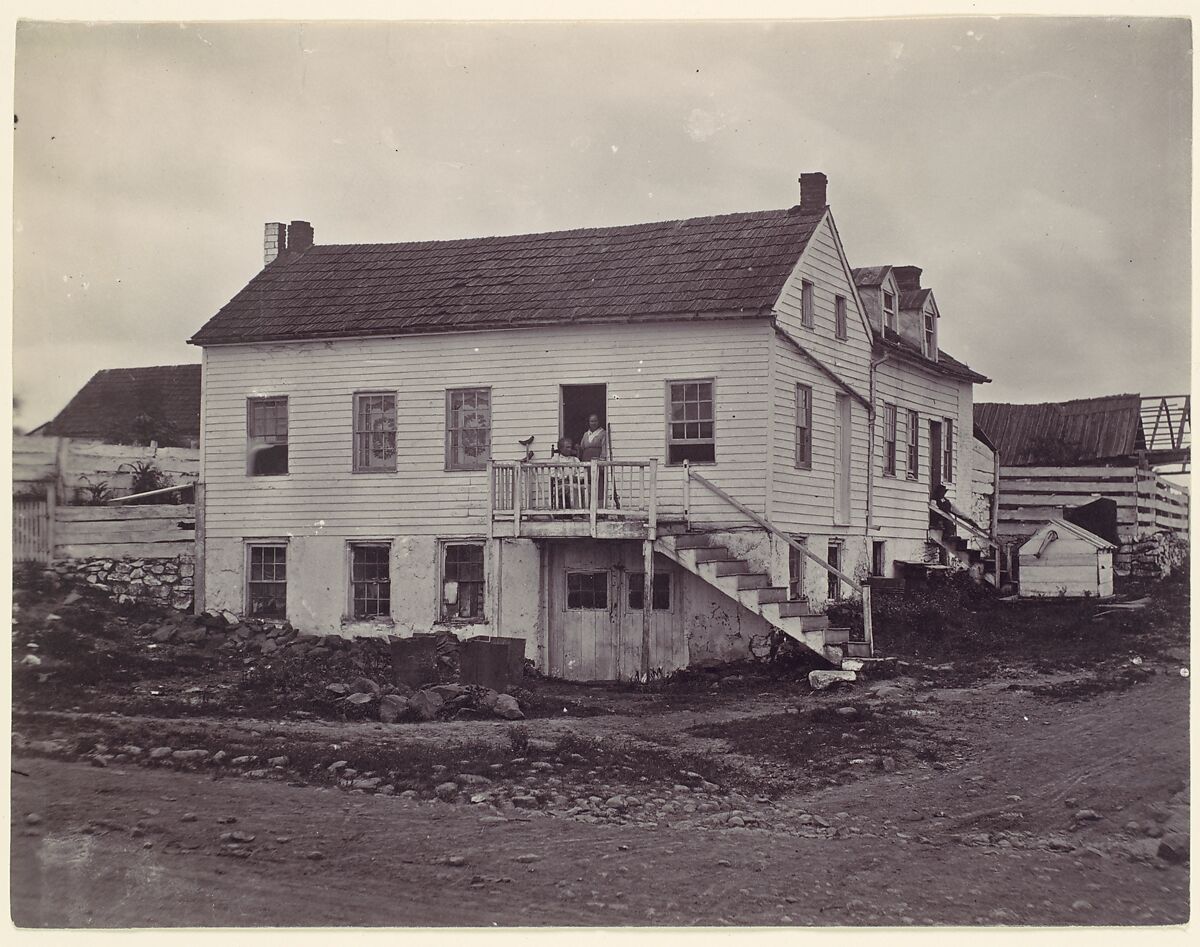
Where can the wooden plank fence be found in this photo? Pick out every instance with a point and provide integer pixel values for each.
(1145, 501)
(72, 464)
(33, 539)
(43, 531)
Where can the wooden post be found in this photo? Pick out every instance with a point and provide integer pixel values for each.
(653, 519)
(687, 494)
(868, 623)
(593, 494)
(198, 565)
(491, 511)
(647, 603)
(51, 515)
(499, 586)
(518, 497)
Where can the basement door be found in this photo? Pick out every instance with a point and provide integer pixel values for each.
(595, 597)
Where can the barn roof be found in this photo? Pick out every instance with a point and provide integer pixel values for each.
(730, 265)
(111, 400)
(1063, 433)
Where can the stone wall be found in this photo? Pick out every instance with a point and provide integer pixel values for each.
(167, 582)
(1153, 556)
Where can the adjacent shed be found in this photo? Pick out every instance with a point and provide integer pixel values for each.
(1063, 559)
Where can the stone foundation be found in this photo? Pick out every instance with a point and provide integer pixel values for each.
(165, 582)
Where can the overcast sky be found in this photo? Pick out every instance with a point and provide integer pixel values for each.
(1037, 169)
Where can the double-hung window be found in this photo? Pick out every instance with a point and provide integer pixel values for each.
(462, 582)
(266, 436)
(804, 427)
(889, 312)
(930, 337)
(690, 431)
(468, 428)
(889, 439)
(808, 316)
(948, 450)
(914, 445)
(370, 580)
(266, 580)
(374, 431)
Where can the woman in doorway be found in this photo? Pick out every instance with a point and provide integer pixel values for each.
(593, 445)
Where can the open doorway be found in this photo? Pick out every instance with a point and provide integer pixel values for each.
(578, 403)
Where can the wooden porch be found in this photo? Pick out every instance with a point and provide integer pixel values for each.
(597, 499)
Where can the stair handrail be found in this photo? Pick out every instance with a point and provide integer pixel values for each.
(776, 531)
(959, 521)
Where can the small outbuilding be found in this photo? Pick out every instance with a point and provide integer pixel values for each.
(1065, 560)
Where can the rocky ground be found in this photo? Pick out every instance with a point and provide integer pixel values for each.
(956, 792)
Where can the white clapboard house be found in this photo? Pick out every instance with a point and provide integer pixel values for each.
(367, 410)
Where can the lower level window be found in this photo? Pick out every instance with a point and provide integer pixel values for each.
(370, 580)
(878, 558)
(462, 582)
(587, 590)
(834, 558)
(266, 588)
(662, 591)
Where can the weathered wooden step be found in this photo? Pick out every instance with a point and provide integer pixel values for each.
(772, 594)
(692, 540)
(755, 580)
(732, 567)
(713, 554)
(837, 635)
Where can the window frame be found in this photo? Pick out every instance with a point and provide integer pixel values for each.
(948, 450)
(834, 550)
(567, 573)
(450, 465)
(250, 545)
(889, 314)
(351, 547)
(929, 328)
(808, 304)
(879, 558)
(689, 442)
(890, 437)
(251, 400)
(440, 617)
(803, 459)
(841, 323)
(912, 445)
(356, 432)
(662, 575)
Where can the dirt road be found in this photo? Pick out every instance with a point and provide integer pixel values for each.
(1041, 812)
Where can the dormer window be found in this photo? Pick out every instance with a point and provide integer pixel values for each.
(889, 311)
(930, 337)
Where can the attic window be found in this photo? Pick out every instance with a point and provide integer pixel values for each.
(889, 311)
(930, 337)
(842, 329)
(807, 314)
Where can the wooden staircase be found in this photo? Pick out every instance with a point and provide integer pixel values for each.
(953, 543)
(700, 555)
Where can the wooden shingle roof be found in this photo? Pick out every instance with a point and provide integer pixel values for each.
(1064, 433)
(113, 398)
(730, 265)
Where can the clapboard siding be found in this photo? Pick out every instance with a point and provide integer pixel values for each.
(803, 500)
(524, 369)
(901, 503)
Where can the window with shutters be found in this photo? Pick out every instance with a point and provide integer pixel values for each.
(889, 439)
(914, 445)
(948, 451)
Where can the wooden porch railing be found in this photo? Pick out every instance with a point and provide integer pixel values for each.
(574, 489)
(862, 588)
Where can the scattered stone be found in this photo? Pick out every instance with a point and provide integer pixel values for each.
(472, 779)
(1175, 848)
(188, 817)
(190, 756)
(314, 856)
(847, 712)
(277, 761)
(446, 791)
(887, 691)
(33, 819)
(340, 689)
(456, 861)
(227, 819)
(525, 802)
(242, 836)
(426, 704)
(823, 680)
(1088, 815)
(508, 708)
(724, 863)
(1082, 905)
(392, 707)
(887, 764)
(528, 859)
(339, 765)
(160, 752)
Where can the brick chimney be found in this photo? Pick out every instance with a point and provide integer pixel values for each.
(812, 191)
(907, 277)
(300, 235)
(274, 242)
